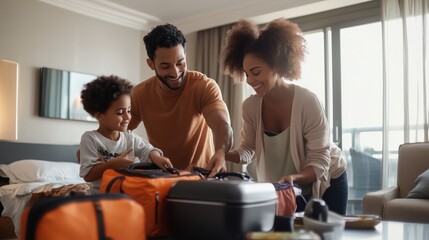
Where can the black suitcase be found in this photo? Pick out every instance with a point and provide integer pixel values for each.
(221, 208)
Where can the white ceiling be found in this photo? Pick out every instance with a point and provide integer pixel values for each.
(195, 15)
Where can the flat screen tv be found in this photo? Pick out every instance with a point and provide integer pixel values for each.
(60, 94)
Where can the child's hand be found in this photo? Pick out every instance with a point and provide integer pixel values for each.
(121, 161)
(162, 162)
(124, 155)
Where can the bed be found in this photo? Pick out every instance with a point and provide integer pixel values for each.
(29, 171)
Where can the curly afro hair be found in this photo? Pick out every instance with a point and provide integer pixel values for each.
(98, 95)
(279, 43)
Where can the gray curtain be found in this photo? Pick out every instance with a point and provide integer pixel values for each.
(209, 46)
(55, 93)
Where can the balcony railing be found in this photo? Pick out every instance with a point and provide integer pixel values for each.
(368, 142)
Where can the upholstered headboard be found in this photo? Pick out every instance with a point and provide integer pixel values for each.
(13, 151)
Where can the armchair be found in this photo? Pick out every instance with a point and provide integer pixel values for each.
(392, 203)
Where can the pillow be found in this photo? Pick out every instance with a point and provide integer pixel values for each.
(29, 170)
(421, 190)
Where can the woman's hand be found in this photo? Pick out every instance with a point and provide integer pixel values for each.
(287, 179)
(306, 176)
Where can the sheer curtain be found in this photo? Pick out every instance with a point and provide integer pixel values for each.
(209, 46)
(405, 36)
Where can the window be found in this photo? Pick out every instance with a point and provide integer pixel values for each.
(344, 68)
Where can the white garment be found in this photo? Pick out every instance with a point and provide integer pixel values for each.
(93, 145)
(278, 160)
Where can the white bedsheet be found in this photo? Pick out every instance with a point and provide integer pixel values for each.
(15, 197)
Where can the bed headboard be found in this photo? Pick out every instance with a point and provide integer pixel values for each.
(13, 151)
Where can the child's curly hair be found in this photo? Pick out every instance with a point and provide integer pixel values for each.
(279, 43)
(98, 94)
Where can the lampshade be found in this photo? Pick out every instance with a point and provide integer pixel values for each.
(8, 100)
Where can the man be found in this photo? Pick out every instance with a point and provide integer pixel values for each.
(182, 111)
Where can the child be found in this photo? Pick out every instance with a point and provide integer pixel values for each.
(111, 146)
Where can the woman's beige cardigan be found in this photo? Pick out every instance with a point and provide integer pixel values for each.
(310, 140)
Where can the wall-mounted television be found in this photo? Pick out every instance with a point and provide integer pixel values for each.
(60, 94)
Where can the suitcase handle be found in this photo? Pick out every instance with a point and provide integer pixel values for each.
(243, 176)
(144, 166)
(152, 166)
(115, 179)
(203, 171)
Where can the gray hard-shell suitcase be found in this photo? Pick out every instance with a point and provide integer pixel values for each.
(220, 208)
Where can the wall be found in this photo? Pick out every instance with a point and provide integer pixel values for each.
(36, 34)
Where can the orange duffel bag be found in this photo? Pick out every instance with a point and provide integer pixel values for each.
(149, 186)
(85, 217)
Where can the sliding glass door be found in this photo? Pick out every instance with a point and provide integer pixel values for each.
(344, 68)
(359, 78)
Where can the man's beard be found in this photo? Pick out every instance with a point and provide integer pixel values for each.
(164, 79)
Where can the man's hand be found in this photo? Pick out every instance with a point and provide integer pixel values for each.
(217, 163)
(219, 123)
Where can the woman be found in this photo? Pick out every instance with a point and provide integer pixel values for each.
(285, 134)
